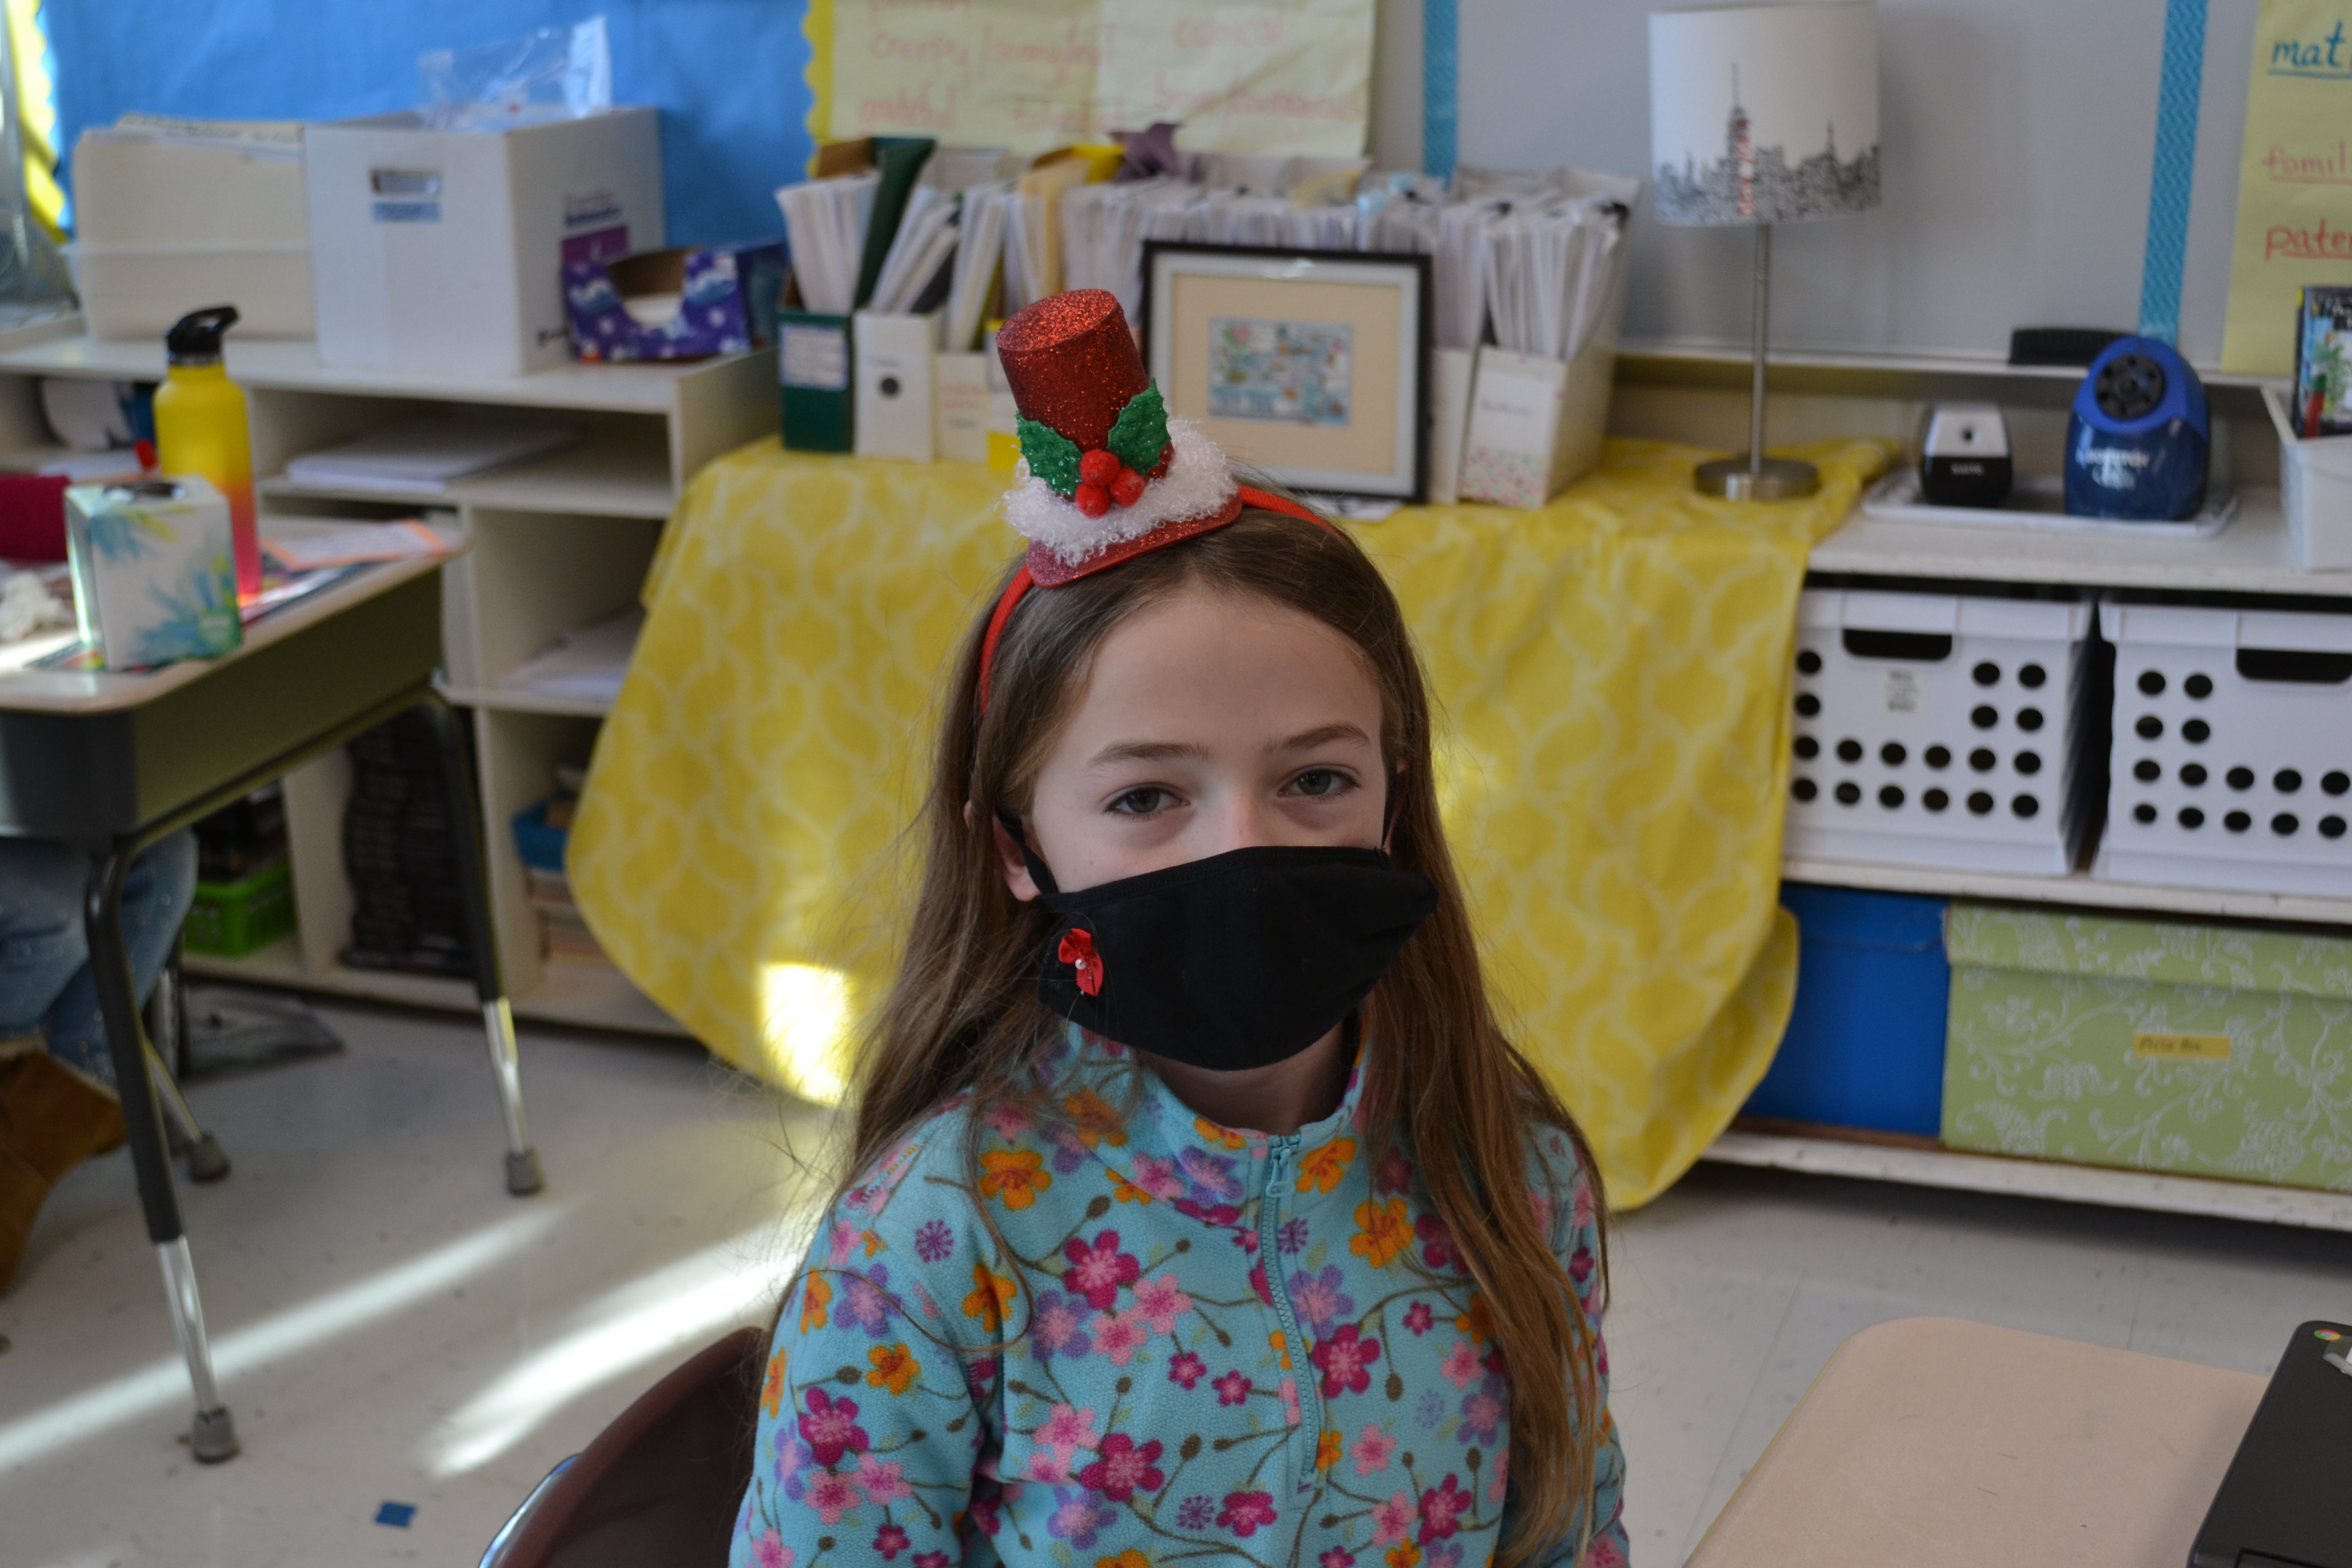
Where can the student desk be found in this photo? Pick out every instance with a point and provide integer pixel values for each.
(1934, 1443)
(112, 762)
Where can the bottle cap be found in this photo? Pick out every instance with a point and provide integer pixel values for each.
(195, 338)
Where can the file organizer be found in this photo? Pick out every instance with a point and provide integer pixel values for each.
(2232, 753)
(1946, 730)
(816, 358)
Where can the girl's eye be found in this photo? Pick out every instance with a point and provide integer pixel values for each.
(1321, 781)
(1141, 802)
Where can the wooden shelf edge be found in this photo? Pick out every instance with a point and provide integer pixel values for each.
(499, 701)
(2086, 891)
(2302, 1206)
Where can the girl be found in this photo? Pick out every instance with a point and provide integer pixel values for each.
(1201, 1212)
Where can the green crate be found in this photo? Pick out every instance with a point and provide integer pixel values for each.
(2150, 1045)
(229, 919)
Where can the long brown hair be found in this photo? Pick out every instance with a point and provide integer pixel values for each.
(1440, 1078)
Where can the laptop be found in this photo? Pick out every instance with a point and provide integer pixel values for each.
(2286, 1502)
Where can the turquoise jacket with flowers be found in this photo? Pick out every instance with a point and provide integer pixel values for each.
(1240, 1349)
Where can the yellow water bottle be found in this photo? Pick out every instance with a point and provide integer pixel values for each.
(200, 429)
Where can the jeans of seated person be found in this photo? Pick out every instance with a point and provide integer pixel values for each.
(44, 979)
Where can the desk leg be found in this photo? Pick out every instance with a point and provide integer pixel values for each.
(214, 1435)
(523, 1175)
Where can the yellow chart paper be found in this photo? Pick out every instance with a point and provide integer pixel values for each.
(1240, 76)
(2295, 184)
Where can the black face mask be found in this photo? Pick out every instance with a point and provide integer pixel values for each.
(1242, 960)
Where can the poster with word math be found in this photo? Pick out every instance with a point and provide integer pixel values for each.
(1238, 76)
(2294, 182)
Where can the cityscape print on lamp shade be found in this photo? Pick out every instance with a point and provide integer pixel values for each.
(1765, 113)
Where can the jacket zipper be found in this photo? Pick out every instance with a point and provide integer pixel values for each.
(1269, 1220)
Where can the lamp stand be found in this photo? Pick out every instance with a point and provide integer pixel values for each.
(1756, 477)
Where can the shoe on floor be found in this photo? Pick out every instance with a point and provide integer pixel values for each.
(51, 1119)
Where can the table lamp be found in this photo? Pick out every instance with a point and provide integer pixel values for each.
(1758, 115)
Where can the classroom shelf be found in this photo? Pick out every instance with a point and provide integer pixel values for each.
(605, 478)
(498, 700)
(2301, 1206)
(280, 964)
(2084, 891)
(2252, 555)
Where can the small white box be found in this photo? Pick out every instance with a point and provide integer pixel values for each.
(1535, 425)
(2316, 489)
(894, 414)
(960, 389)
(154, 571)
(2231, 765)
(1935, 729)
(444, 251)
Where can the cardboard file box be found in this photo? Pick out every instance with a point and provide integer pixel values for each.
(2154, 1045)
(166, 225)
(1535, 425)
(1864, 1046)
(959, 399)
(815, 365)
(894, 414)
(1450, 372)
(444, 251)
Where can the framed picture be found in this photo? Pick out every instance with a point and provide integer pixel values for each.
(1310, 366)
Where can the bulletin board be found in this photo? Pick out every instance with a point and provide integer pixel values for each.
(1241, 76)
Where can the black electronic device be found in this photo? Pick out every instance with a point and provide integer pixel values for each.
(2283, 1503)
(2074, 346)
(1964, 457)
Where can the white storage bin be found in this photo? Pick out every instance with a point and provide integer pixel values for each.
(443, 251)
(2233, 763)
(171, 216)
(137, 291)
(1937, 729)
(2315, 490)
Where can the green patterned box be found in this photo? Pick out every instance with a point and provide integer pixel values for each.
(2199, 1050)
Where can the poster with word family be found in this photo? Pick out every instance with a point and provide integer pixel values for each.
(2294, 184)
(1238, 76)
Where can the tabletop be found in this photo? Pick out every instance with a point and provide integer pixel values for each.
(94, 691)
(1936, 1443)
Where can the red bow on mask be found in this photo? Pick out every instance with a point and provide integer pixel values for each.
(1078, 951)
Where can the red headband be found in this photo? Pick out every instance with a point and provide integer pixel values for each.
(1023, 582)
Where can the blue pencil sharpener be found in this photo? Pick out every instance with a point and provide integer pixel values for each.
(2138, 438)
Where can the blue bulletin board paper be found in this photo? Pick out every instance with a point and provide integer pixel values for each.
(728, 76)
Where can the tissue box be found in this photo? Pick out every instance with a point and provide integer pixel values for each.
(685, 303)
(153, 570)
(443, 251)
(2155, 1045)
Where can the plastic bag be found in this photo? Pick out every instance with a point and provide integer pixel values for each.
(556, 73)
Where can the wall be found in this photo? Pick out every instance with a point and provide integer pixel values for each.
(726, 75)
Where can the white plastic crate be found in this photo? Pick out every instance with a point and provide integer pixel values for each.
(1937, 730)
(2232, 761)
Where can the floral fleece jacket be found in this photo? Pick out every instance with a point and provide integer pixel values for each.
(1232, 1359)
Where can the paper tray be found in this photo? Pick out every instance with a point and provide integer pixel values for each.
(2037, 501)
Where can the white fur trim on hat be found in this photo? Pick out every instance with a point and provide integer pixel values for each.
(1196, 484)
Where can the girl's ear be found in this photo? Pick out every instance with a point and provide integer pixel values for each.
(1008, 858)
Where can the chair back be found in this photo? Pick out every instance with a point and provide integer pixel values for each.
(661, 1485)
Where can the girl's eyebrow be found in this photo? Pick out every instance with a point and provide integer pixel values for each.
(1323, 736)
(1145, 751)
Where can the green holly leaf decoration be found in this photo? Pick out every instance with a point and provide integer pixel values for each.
(1052, 456)
(1140, 434)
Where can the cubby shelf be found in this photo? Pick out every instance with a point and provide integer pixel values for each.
(2082, 892)
(555, 545)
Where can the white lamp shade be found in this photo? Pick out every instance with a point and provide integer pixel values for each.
(1765, 113)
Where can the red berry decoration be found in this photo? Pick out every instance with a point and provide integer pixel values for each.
(1078, 951)
(1128, 489)
(1092, 499)
(1098, 467)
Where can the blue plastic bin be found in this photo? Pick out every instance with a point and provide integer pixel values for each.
(1865, 1041)
(540, 846)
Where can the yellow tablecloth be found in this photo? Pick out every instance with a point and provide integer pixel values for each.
(1612, 670)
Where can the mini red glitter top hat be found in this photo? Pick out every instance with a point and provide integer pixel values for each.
(1106, 473)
